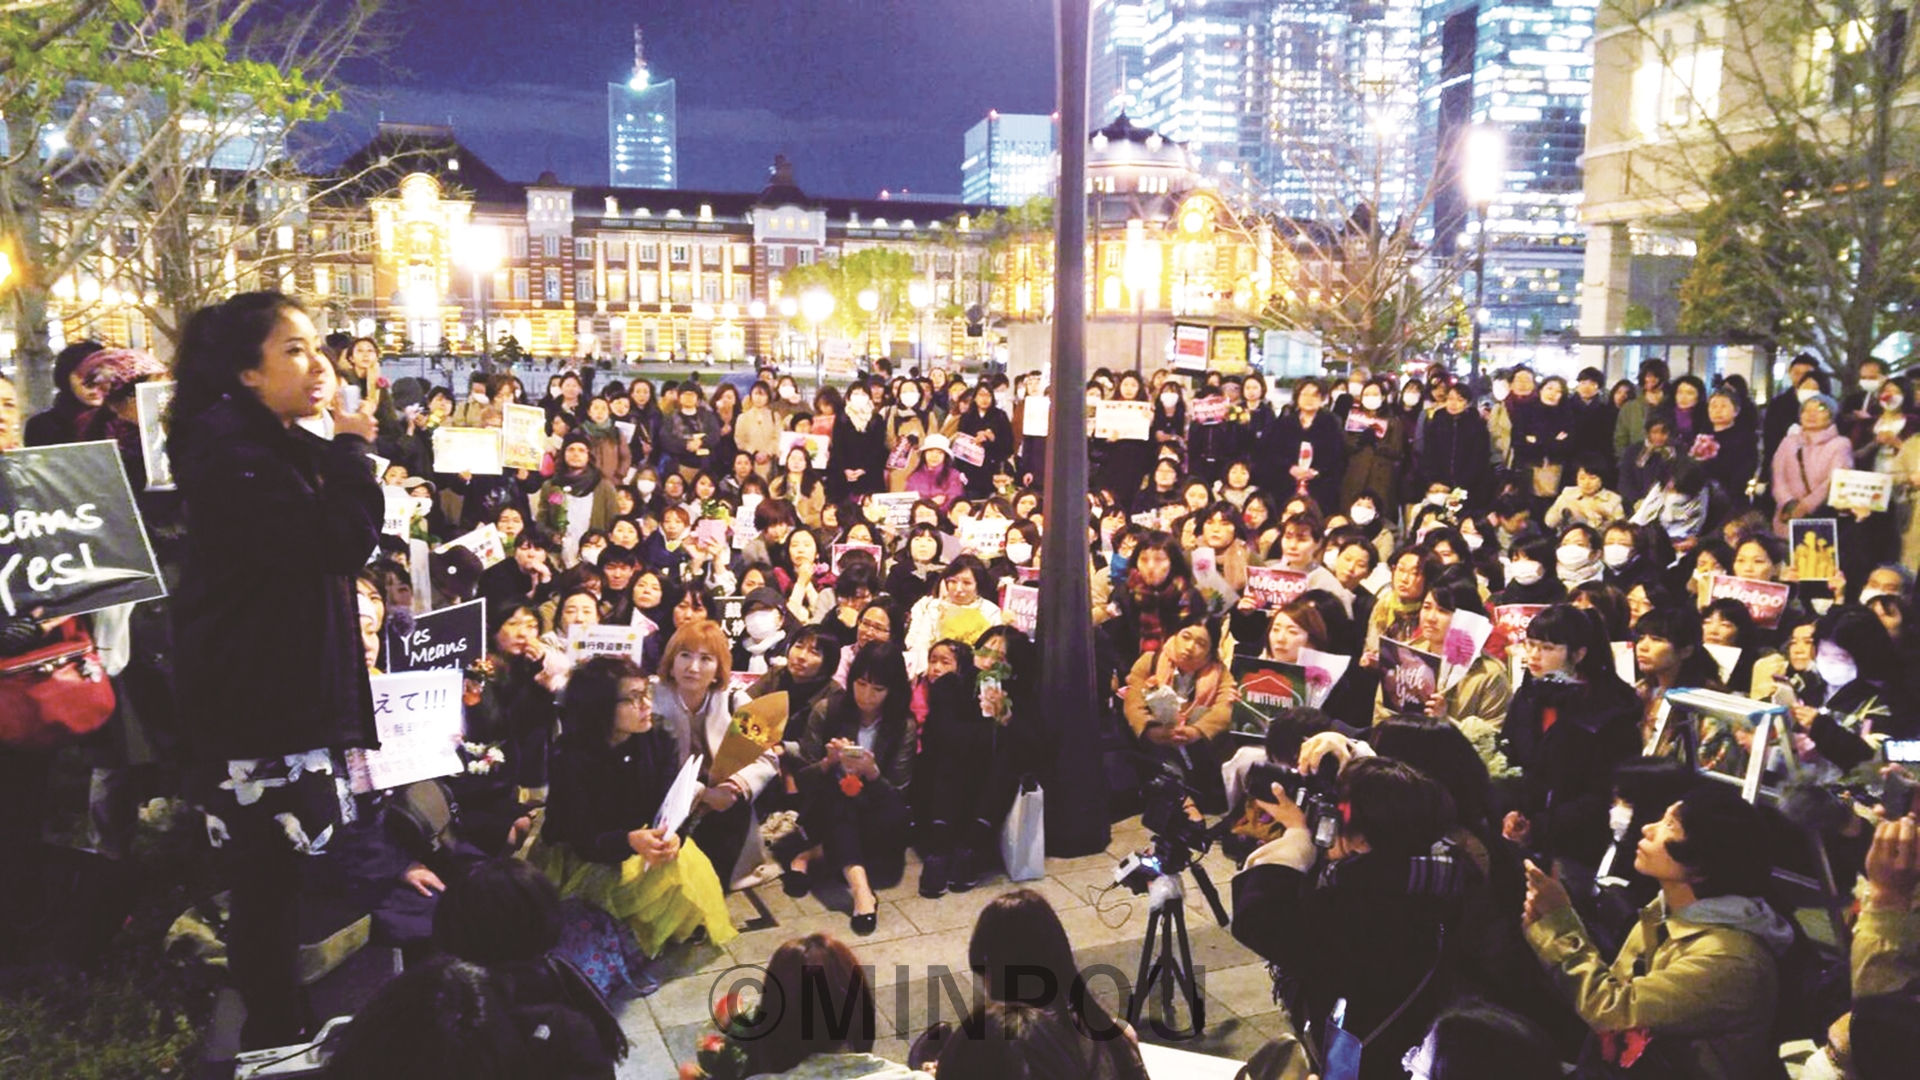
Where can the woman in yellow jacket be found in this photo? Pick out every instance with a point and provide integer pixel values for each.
(1697, 982)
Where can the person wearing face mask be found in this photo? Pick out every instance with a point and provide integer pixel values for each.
(1863, 403)
(1867, 694)
(1376, 446)
(857, 455)
(910, 419)
(1587, 501)
(1169, 427)
(1530, 576)
(1578, 558)
(763, 641)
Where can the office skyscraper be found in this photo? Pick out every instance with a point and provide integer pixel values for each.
(1008, 159)
(640, 128)
(1524, 69)
(1116, 78)
(1206, 82)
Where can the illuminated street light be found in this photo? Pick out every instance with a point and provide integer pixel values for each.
(479, 251)
(869, 301)
(817, 304)
(1482, 176)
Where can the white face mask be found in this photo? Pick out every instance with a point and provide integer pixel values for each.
(1003, 399)
(1019, 553)
(789, 393)
(1500, 390)
(1805, 394)
(646, 487)
(1572, 557)
(1871, 386)
(910, 398)
(1821, 1067)
(1869, 594)
(1169, 399)
(1620, 819)
(1474, 540)
(762, 624)
(1523, 572)
(1836, 670)
(1411, 397)
(1371, 402)
(1436, 498)
(1363, 514)
(859, 410)
(1617, 555)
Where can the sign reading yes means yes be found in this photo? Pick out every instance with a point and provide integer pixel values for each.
(454, 637)
(71, 540)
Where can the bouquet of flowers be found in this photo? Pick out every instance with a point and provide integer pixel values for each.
(721, 1054)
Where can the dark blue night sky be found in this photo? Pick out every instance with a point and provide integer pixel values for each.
(861, 94)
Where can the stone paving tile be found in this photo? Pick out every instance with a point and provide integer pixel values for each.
(647, 1057)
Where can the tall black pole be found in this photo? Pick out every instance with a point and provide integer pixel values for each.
(1076, 795)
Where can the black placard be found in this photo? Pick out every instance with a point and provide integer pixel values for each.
(454, 637)
(71, 540)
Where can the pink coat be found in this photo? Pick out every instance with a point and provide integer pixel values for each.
(1802, 469)
(926, 484)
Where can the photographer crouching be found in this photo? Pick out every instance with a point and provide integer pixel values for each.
(1357, 931)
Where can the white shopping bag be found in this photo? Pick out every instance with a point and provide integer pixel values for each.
(1023, 839)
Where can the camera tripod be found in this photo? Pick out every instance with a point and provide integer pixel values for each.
(1167, 924)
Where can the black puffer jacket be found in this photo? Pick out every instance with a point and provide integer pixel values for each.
(266, 624)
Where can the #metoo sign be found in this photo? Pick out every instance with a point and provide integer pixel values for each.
(1766, 601)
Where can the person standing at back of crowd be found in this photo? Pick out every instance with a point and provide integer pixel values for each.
(1303, 450)
(1374, 455)
(1456, 453)
(1631, 425)
(1593, 416)
(857, 453)
(60, 422)
(1783, 409)
(271, 672)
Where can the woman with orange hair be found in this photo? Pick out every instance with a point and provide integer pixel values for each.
(691, 701)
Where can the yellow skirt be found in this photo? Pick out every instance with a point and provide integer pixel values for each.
(661, 904)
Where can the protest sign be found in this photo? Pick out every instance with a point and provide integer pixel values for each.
(1273, 588)
(816, 445)
(418, 717)
(901, 455)
(1191, 344)
(839, 551)
(967, 449)
(896, 509)
(1765, 600)
(1020, 606)
(1512, 619)
(1467, 634)
(1210, 410)
(523, 436)
(1266, 687)
(1035, 415)
(1230, 350)
(985, 537)
(401, 511)
(1815, 547)
(151, 400)
(1408, 676)
(586, 642)
(733, 616)
(1358, 421)
(1324, 671)
(626, 428)
(822, 426)
(71, 540)
(475, 451)
(838, 359)
(1115, 420)
(453, 637)
(487, 542)
(710, 530)
(1852, 489)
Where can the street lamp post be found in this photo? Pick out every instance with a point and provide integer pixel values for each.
(481, 254)
(1139, 278)
(1076, 807)
(817, 306)
(920, 295)
(869, 301)
(789, 307)
(1481, 178)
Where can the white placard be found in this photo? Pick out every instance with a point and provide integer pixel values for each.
(1035, 416)
(1122, 420)
(151, 399)
(523, 436)
(475, 451)
(485, 541)
(587, 642)
(418, 716)
(401, 511)
(1853, 489)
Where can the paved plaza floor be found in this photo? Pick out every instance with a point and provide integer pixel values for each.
(916, 935)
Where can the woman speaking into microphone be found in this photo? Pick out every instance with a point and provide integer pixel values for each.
(271, 676)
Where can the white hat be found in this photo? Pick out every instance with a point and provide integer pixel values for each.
(936, 441)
